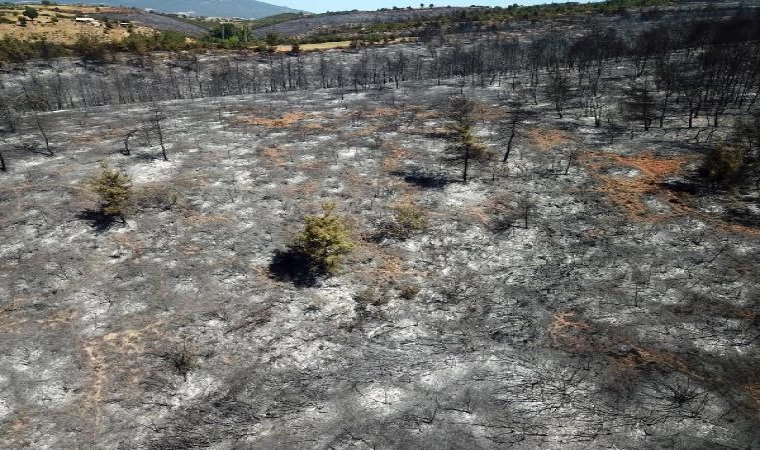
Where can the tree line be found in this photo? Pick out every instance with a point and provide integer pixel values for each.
(697, 72)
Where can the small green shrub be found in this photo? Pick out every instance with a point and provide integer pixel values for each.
(114, 189)
(325, 240)
(31, 13)
(408, 219)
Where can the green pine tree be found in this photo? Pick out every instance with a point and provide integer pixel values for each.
(114, 189)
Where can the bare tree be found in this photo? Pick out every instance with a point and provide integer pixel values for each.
(127, 137)
(156, 119)
(43, 133)
(514, 121)
(558, 89)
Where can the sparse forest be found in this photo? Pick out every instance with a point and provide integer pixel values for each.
(522, 228)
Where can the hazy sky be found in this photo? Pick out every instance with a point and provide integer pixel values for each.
(371, 5)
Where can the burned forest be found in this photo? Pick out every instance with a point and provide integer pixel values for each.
(540, 233)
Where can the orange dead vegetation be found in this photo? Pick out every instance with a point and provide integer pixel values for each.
(628, 192)
(642, 357)
(276, 156)
(387, 268)
(283, 121)
(395, 154)
(545, 139)
(379, 113)
(569, 333)
(564, 331)
(202, 219)
(57, 320)
(104, 358)
(488, 113)
(302, 190)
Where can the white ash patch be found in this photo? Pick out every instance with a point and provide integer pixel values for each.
(655, 205)
(458, 195)
(5, 409)
(50, 392)
(132, 307)
(381, 400)
(198, 385)
(157, 170)
(623, 172)
(349, 153)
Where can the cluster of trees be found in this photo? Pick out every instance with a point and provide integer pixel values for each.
(91, 48)
(704, 68)
(690, 74)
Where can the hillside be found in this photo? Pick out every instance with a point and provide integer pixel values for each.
(250, 9)
(311, 24)
(57, 24)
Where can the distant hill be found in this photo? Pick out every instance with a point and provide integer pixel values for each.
(249, 9)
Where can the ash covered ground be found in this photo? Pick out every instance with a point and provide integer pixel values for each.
(565, 299)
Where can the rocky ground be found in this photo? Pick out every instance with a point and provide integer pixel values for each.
(565, 299)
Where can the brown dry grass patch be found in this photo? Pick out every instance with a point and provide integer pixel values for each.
(276, 156)
(753, 389)
(545, 139)
(130, 241)
(394, 155)
(104, 359)
(628, 192)
(387, 267)
(55, 321)
(302, 190)
(488, 113)
(569, 333)
(204, 219)
(639, 357)
(379, 113)
(65, 31)
(284, 121)
(310, 165)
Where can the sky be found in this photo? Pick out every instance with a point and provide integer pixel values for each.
(371, 5)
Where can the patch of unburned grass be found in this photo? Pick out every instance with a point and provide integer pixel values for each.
(65, 30)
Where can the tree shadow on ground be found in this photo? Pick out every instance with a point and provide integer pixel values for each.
(146, 157)
(293, 265)
(35, 148)
(98, 220)
(424, 180)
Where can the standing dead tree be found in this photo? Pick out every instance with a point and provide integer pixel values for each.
(514, 120)
(156, 118)
(40, 127)
(126, 151)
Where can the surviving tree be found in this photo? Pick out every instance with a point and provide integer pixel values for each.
(325, 241)
(464, 147)
(115, 191)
